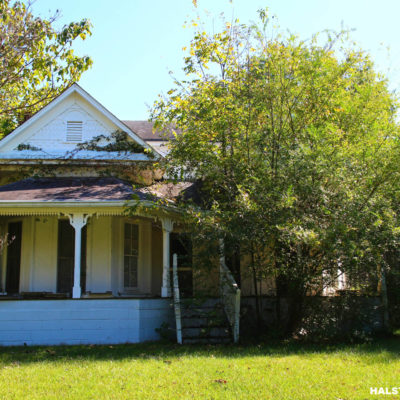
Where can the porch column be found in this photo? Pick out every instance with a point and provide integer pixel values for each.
(167, 226)
(78, 221)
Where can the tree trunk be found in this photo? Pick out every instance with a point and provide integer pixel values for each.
(385, 303)
(295, 312)
(258, 310)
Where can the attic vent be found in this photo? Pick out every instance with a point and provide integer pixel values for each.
(74, 131)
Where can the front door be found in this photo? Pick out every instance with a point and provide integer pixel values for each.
(13, 257)
(182, 246)
(66, 258)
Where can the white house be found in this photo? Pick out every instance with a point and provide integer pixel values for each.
(92, 228)
(79, 268)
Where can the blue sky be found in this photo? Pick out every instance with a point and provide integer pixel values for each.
(136, 42)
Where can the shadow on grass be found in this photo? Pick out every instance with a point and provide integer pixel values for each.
(379, 351)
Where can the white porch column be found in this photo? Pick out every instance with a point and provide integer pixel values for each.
(78, 221)
(167, 226)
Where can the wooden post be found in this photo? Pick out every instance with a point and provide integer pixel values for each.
(167, 226)
(177, 301)
(78, 221)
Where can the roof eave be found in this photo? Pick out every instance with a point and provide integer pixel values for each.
(149, 206)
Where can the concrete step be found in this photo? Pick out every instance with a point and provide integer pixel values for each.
(204, 322)
(202, 312)
(199, 322)
(220, 331)
(194, 303)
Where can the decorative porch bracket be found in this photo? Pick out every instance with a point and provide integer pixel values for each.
(167, 227)
(78, 221)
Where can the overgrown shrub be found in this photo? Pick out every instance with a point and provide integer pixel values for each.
(345, 317)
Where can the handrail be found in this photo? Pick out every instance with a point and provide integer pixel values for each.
(177, 301)
(230, 294)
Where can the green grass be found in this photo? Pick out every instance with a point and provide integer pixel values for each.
(166, 371)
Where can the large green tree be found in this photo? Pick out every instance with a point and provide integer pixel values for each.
(37, 61)
(296, 146)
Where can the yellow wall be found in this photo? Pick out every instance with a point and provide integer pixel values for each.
(39, 254)
(266, 287)
(104, 255)
(157, 267)
(98, 258)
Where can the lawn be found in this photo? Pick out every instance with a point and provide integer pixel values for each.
(166, 371)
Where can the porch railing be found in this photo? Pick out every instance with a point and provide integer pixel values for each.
(230, 295)
(177, 300)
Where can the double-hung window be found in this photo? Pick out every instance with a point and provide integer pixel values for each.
(131, 256)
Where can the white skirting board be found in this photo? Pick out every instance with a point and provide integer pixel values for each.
(100, 321)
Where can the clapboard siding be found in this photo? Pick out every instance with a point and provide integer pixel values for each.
(105, 321)
(105, 255)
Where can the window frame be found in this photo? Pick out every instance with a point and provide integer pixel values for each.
(131, 289)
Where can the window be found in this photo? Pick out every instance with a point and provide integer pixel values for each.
(74, 131)
(14, 258)
(131, 255)
(182, 246)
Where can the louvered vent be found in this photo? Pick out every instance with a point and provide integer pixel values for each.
(74, 131)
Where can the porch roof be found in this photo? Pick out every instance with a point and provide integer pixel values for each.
(67, 189)
(88, 190)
